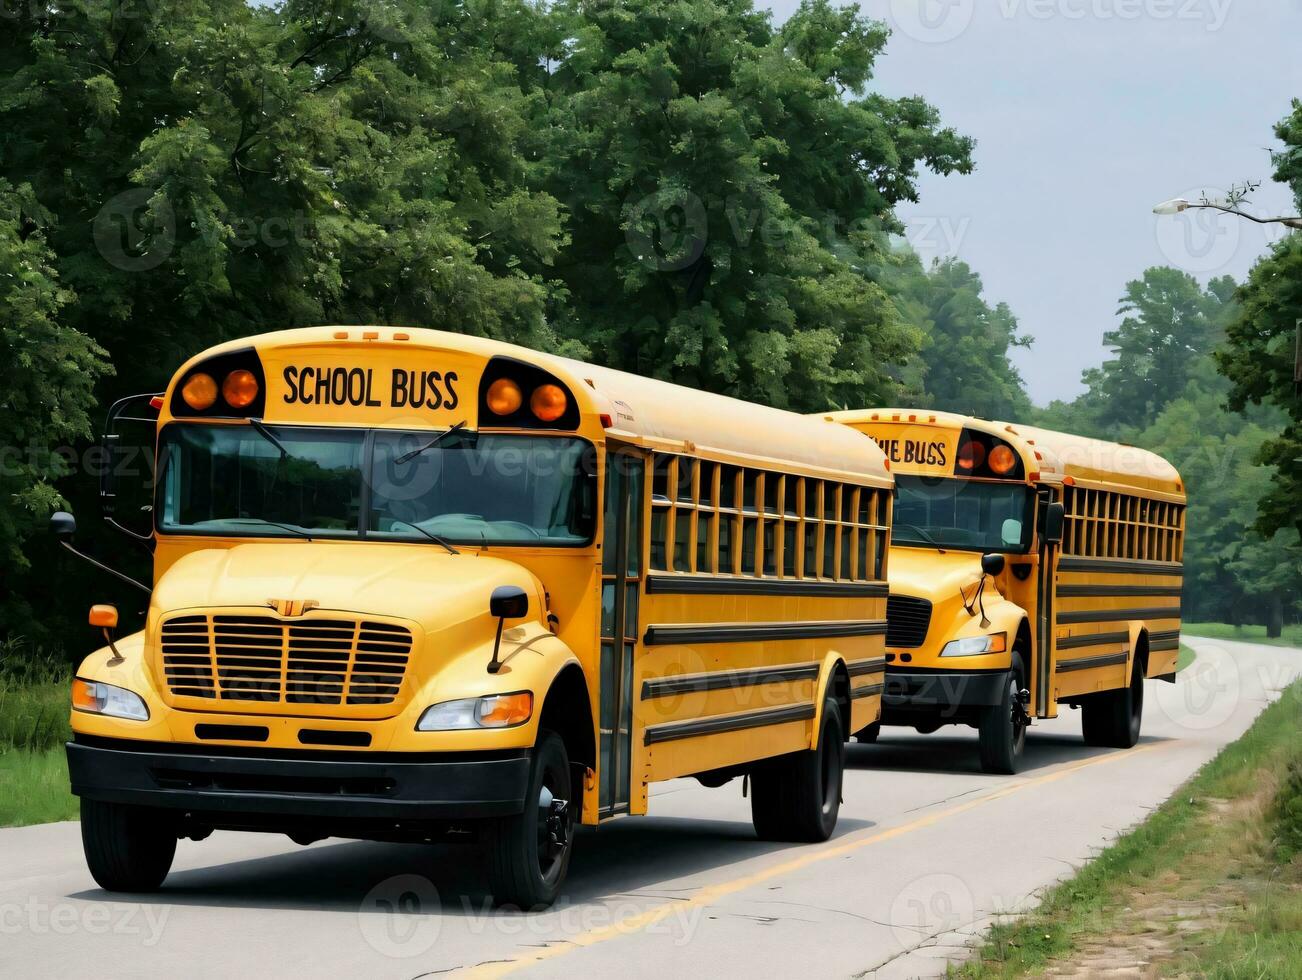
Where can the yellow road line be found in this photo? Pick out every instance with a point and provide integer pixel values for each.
(710, 894)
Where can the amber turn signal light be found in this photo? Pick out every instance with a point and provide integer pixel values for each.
(1002, 460)
(240, 389)
(104, 616)
(504, 397)
(548, 402)
(505, 709)
(199, 391)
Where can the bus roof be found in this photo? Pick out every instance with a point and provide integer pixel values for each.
(1055, 455)
(656, 414)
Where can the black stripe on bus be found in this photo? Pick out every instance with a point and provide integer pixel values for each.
(1117, 615)
(1091, 640)
(867, 691)
(1086, 663)
(1164, 640)
(1094, 590)
(726, 679)
(731, 585)
(727, 723)
(659, 635)
(1123, 565)
(874, 665)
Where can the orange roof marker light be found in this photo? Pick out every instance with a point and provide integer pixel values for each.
(504, 397)
(240, 389)
(548, 402)
(199, 391)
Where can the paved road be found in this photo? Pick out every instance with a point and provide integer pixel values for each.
(928, 852)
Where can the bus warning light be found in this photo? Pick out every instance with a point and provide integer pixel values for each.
(548, 402)
(200, 391)
(504, 397)
(1002, 460)
(240, 389)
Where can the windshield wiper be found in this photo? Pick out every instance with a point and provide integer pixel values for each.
(409, 456)
(926, 536)
(261, 429)
(302, 532)
(429, 534)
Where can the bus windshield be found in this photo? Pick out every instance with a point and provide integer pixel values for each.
(941, 512)
(240, 481)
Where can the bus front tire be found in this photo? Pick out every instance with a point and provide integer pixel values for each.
(128, 848)
(1111, 719)
(529, 852)
(797, 797)
(1002, 727)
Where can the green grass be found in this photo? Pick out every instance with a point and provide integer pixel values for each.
(1247, 634)
(34, 787)
(34, 693)
(1225, 846)
(1187, 656)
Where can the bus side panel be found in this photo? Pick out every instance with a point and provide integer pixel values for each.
(749, 691)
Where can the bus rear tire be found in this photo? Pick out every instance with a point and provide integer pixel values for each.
(797, 797)
(128, 848)
(1112, 719)
(1002, 727)
(529, 852)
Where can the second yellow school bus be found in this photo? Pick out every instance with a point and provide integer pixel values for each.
(409, 583)
(1029, 569)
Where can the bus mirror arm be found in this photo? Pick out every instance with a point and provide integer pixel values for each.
(63, 525)
(506, 602)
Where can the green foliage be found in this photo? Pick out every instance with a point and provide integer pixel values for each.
(964, 365)
(730, 189)
(1258, 355)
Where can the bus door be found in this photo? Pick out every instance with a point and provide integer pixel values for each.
(1045, 704)
(621, 551)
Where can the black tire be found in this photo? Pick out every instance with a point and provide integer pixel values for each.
(529, 853)
(128, 848)
(797, 797)
(869, 735)
(1112, 719)
(1001, 728)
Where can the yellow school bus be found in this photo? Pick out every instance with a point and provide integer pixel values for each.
(1028, 569)
(411, 585)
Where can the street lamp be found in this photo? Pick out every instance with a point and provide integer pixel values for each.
(1179, 204)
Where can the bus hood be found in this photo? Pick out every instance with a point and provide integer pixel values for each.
(929, 574)
(415, 582)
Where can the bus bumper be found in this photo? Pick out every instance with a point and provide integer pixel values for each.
(939, 694)
(234, 786)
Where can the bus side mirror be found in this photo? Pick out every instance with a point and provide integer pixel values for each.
(105, 617)
(1054, 514)
(506, 602)
(992, 564)
(63, 525)
(509, 602)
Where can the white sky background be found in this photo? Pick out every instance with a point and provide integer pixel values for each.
(1086, 114)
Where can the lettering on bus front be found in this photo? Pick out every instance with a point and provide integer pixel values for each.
(339, 386)
(918, 451)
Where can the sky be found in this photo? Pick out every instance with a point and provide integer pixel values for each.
(1086, 114)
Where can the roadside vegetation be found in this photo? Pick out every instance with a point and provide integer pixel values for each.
(1291, 636)
(1210, 885)
(33, 728)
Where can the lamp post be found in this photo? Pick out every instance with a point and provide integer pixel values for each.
(1179, 204)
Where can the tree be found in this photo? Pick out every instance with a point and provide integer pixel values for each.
(1170, 324)
(47, 376)
(730, 189)
(1259, 350)
(965, 365)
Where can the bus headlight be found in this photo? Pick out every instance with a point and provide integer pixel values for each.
(494, 711)
(104, 699)
(972, 646)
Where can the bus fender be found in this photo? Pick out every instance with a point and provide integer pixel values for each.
(1138, 641)
(832, 668)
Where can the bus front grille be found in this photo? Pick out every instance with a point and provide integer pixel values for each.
(269, 661)
(907, 619)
